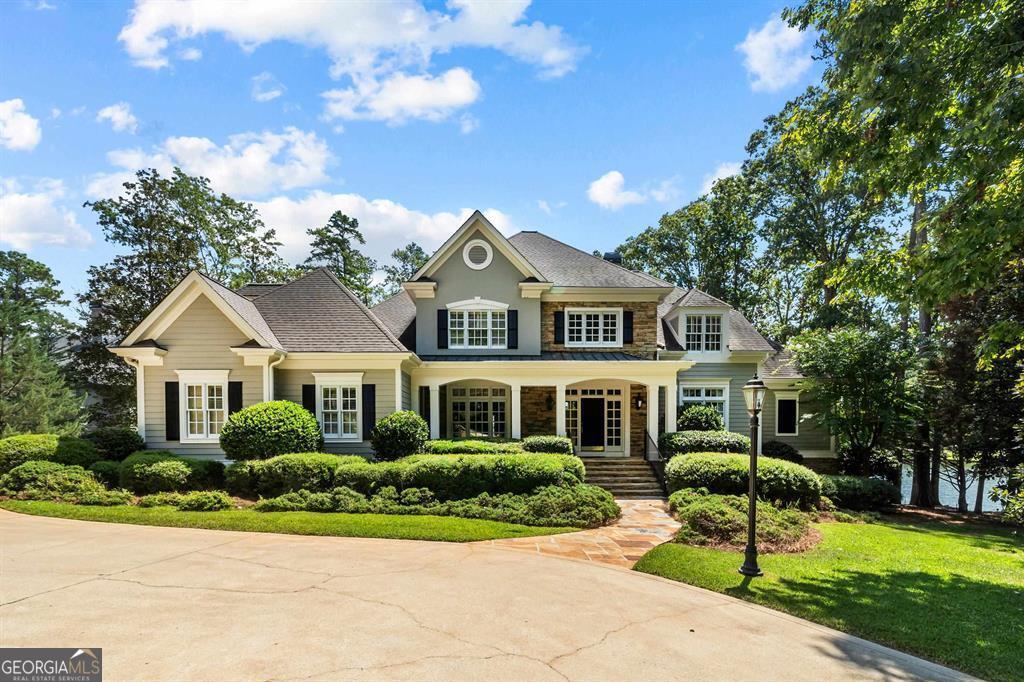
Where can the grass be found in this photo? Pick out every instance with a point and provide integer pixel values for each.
(950, 593)
(441, 528)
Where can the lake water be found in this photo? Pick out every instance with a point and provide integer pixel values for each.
(947, 493)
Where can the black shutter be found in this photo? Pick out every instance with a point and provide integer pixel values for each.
(425, 403)
(559, 326)
(442, 328)
(172, 427)
(309, 397)
(234, 396)
(369, 409)
(513, 329)
(627, 326)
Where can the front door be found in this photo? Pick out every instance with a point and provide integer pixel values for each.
(592, 423)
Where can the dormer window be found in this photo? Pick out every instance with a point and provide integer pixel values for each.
(703, 333)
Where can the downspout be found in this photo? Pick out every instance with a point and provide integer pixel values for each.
(270, 374)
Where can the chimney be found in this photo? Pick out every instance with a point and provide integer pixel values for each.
(613, 257)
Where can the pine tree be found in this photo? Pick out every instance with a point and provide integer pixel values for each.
(334, 247)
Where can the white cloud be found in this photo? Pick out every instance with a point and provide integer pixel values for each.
(18, 130)
(35, 217)
(386, 224)
(266, 88)
(775, 56)
(55, 112)
(249, 165)
(548, 208)
(723, 170)
(381, 48)
(41, 5)
(190, 54)
(609, 192)
(468, 123)
(120, 117)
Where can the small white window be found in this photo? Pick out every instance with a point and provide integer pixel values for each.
(203, 403)
(703, 332)
(478, 254)
(338, 408)
(594, 327)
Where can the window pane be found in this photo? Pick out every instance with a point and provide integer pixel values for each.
(713, 332)
(459, 427)
(214, 408)
(498, 418)
(571, 419)
(787, 416)
(477, 328)
(575, 327)
(194, 414)
(478, 418)
(456, 328)
(349, 412)
(614, 419)
(478, 392)
(694, 332)
(329, 410)
(592, 327)
(498, 328)
(610, 328)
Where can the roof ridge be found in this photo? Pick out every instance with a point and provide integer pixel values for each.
(590, 255)
(369, 313)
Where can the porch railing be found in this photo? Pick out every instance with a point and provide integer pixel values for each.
(652, 455)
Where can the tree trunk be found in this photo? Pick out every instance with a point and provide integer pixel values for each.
(979, 497)
(936, 462)
(926, 494)
(961, 484)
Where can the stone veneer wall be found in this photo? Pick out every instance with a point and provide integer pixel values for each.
(637, 420)
(645, 326)
(535, 417)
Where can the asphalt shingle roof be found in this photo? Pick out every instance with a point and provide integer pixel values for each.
(245, 308)
(254, 290)
(398, 313)
(742, 335)
(567, 266)
(782, 365)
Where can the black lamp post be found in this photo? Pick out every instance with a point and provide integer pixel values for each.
(753, 396)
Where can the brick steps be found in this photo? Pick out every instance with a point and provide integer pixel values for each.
(623, 477)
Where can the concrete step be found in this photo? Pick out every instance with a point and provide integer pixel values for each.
(597, 480)
(630, 486)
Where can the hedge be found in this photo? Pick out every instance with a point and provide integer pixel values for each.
(726, 474)
(107, 472)
(313, 471)
(399, 434)
(269, 429)
(548, 444)
(154, 471)
(116, 442)
(48, 447)
(471, 447)
(197, 500)
(860, 493)
(683, 442)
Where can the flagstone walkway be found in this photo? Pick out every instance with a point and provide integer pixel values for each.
(644, 524)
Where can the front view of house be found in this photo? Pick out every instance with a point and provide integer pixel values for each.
(494, 337)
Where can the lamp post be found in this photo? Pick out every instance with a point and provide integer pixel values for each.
(753, 396)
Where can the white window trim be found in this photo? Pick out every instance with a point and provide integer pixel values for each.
(206, 377)
(601, 344)
(787, 395)
(705, 383)
(722, 343)
(340, 380)
(490, 399)
(477, 242)
(477, 304)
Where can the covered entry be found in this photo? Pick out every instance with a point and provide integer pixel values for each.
(597, 417)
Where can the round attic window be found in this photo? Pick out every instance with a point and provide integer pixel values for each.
(477, 254)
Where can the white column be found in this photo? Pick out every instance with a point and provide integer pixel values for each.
(414, 395)
(560, 409)
(398, 390)
(268, 384)
(652, 411)
(671, 406)
(435, 411)
(517, 427)
(140, 399)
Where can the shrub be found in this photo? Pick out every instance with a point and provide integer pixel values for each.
(860, 493)
(471, 447)
(1011, 494)
(777, 480)
(779, 450)
(269, 429)
(683, 442)
(313, 471)
(700, 418)
(30, 474)
(548, 444)
(199, 500)
(399, 434)
(721, 520)
(461, 476)
(41, 480)
(115, 442)
(154, 471)
(340, 499)
(106, 471)
(46, 446)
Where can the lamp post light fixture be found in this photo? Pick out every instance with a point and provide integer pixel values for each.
(753, 396)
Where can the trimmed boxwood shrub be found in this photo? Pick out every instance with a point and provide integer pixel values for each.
(550, 444)
(313, 471)
(399, 434)
(700, 418)
(30, 474)
(269, 429)
(471, 447)
(46, 446)
(683, 442)
(107, 472)
(154, 471)
(860, 493)
(726, 474)
(116, 442)
(460, 476)
(198, 500)
(780, 450)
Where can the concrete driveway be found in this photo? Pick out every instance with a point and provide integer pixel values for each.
(183, 604)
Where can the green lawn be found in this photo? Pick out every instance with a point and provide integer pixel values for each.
(950, 593)
(443, 528)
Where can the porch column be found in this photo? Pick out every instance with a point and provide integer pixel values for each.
(560, 409)
(652, 411)
(517, 427)
(671, 406)
(435, 411)
(140, 399)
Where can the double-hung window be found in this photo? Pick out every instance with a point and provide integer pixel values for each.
(713, 396)
(477, 324)
(203, 395)
(703, 332)
(593, 327)
(338, 404)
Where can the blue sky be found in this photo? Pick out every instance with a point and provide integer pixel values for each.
(586, 121)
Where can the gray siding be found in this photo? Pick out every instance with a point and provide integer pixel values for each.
(737, 374)
(406, 391)
(811, 436)
(497, 282)
(201, 338)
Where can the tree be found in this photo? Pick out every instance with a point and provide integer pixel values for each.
(407, 260)
(858, 377)
(165, 227)
(34, 396)
(334, 247)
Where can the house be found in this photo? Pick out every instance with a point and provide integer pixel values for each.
(493, 337)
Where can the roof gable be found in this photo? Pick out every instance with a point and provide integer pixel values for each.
(477, 221)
